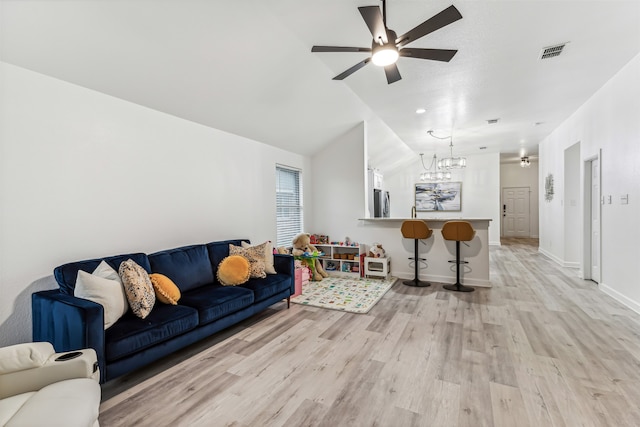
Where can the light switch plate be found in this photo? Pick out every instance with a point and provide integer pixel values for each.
(624, 199)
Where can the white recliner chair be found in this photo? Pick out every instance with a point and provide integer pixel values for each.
(39, 387)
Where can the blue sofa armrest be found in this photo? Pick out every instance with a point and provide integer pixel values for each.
(284, 265)
(69, 323)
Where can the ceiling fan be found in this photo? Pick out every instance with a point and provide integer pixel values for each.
(386, 46)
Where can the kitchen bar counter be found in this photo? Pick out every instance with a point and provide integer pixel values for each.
(436, 250)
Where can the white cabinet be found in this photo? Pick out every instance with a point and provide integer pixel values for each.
(341, 260)
(377, 267)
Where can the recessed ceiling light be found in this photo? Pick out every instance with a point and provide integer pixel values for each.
(421, 111)
(492, 121)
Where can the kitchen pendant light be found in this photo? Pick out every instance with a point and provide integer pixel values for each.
(451, 162)
(431, 174)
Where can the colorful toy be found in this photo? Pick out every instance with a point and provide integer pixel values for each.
(301, 245)
(376, 251)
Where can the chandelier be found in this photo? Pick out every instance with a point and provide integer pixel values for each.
(433, 175)
(450, 162)
(524, 162)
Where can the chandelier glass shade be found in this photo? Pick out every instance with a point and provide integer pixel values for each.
(452, 162)
(431, 174)
(448, 163)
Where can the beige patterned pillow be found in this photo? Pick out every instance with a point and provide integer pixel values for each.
(267, 247)
(255, 255)
(138, 288)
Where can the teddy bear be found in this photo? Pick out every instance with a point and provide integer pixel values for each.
(282, 250)
(376, 251)
(302, 244)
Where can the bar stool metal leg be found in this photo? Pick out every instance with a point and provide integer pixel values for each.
(459, 287)
(415, 281)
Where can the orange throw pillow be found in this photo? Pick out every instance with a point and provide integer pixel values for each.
(167, 292)
(233, 270)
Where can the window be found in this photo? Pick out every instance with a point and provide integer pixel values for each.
(288, 204)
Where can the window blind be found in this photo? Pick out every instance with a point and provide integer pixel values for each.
(288, 205)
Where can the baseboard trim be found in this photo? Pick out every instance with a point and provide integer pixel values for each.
(633, 305)
(557, 260)
(498, 243)
(552, 257)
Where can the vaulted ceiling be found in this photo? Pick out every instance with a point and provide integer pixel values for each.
(246, 67)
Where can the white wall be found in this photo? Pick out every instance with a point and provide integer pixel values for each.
(86, 175)
(339, 175)
(480, 191)
(608, 121)
(512, 175)
(572, 207)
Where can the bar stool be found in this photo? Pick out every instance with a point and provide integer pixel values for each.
(460, 231)
(416, 229)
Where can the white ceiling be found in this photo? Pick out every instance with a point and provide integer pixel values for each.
(246, 66)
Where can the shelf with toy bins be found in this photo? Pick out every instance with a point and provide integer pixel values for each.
(342, 258)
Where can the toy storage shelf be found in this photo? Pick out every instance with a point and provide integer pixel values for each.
(345, 260)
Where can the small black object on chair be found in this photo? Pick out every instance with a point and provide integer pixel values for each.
(416, 229)
(460, 231)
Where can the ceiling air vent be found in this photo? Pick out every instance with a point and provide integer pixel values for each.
(552, 51)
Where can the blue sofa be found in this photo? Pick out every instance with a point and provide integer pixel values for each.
(206, 307)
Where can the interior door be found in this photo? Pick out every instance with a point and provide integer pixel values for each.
(595, 220)
(515, 212)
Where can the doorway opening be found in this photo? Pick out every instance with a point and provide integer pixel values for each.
(592, 223)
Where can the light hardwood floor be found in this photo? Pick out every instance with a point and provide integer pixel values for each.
(540, 348)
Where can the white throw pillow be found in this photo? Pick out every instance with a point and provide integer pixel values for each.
(268, 255)
(109, 293)
(105, 271)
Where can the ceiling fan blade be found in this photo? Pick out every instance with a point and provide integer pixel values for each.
(352, 70)
(392, 73)
(339, 49)
(443, 55)
(442, 19)
(373, 18)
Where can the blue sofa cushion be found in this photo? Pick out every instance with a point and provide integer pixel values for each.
(215, 301)
(189, 267)
(271, 285)
(66, 274)
(130, 334)
(219, 251)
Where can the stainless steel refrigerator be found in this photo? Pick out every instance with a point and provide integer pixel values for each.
(381, 204)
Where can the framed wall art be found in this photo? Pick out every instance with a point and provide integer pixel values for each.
(439, 196)
(548, 188)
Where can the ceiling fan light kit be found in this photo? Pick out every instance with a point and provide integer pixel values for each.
(387, 47)
(384, 55)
